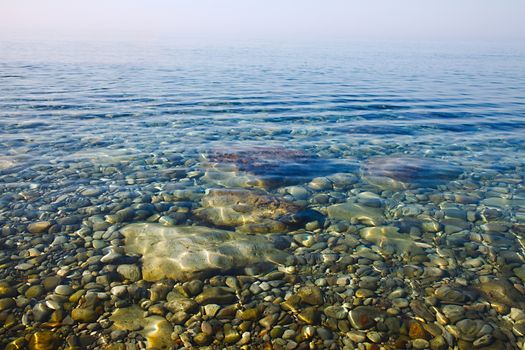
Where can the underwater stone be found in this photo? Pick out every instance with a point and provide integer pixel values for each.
(502, 292)
(388, 236)
(403, 172)
(156, 329)
(238, 207)
(352, 211)
(268, 167)
(44, 341)
(187, 252)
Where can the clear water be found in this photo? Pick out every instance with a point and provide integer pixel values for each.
(134, 121)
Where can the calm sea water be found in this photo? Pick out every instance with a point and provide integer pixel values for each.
(407, 162)
(66, 101)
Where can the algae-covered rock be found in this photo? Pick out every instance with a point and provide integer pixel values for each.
(187, 252)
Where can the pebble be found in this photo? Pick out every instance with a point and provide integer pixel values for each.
(216, 295)
(130, 272)
(39, 227)
(363, 317)
(64, 290)
(84, 315)
(337, 312)
(310, 295)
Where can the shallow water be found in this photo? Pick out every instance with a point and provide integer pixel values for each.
(424, 141)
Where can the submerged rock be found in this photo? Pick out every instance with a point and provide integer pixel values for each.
(502, 292)
(364, 317)
(155, 329)
(251, 211)
(268, 167)
(188, 252)
(388, 236)
(353, 211)
(403, 172)
(44, 341)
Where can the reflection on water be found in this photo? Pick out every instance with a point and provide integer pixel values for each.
(382, 188)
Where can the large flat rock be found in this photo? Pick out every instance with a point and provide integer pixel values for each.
(354, 211)
(187, 252)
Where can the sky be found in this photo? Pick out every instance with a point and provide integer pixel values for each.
(493, 20)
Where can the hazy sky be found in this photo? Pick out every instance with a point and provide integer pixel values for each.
(263, 19)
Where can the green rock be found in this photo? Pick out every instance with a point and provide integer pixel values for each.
(310, 295)
(7, 303)
(309, 315)
(6, 291)
(202, 339)
(130, 272)
(503, 292)
(50, 283)
(216, 295)
(84, 315)
(249, 314)
(34, 292)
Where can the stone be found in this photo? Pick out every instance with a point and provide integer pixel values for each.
(310, 295)
(309, 315)
(130, 272)
(84, 315)
(419, 308)
(438, 343)
(398, 172)
(216, 295)
(7, 303)
(44, 341)
(388, 236)
(50, 283)
(39, 227)
(483, 341)
(374, 337)
(416, 330)
(231, 336)
(211, 309)
(157, 332)
(41, 312)
(190, 252)
(249, 314)
(420, 344)
(352, 211)
(244, 208)
(155, 329)
(182, 304)
(6, 291)
(364, 317)
(128, 319)
(268, 167)
(502, 292)
(336, 312)
(452, 294)
(202, 339)
(34, 292)
(64, 290)
(470, 330)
